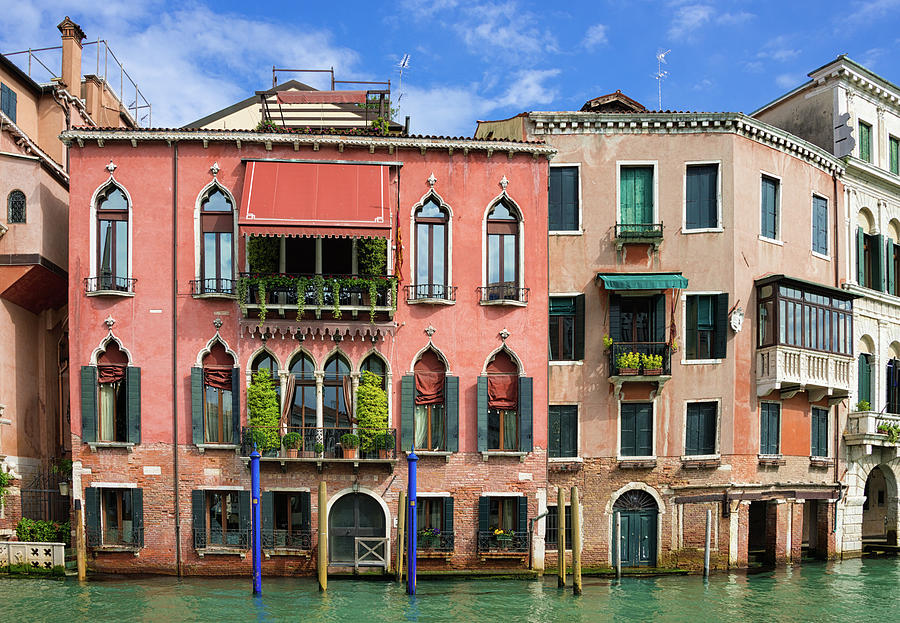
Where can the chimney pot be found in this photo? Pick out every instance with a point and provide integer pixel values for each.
(72, 36)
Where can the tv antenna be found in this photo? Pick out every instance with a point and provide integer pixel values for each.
(403, 64)
(660, 74)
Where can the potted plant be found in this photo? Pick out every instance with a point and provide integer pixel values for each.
(607, 342)
(504, 537)
(652, 364)
(291, 442)
(628, 363)
(863, 405)
(430, 538)
(319, 448)
(385, 443)
(349, 444)
(891, 430)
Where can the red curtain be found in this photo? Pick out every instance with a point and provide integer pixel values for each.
(347, 388)
(220, 378)
(429, 388)
(110, 373)
(503, 391)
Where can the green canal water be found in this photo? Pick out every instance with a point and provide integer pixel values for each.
(858, 590)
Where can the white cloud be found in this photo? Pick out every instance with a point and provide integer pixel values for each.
(505, 29)
(688, 19)
(704, 85)
(788, 81)
(595, 35)
(868, 10)
(779, 49)
(734, 19)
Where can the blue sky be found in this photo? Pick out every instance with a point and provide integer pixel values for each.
(484, 59)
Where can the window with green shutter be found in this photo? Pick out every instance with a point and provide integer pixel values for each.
(563, 204)
(701, 196)
(769, 427)
(636, 195)
(636, 426)
(563, 431)
(819, 436)
(864, 378)
(820, 225)
(114, 516)
(865, 141)
(706, 324)
(769, 190)
(700, 428)
(895, 155)
(286, 519)
(8, 102)
(567, 328)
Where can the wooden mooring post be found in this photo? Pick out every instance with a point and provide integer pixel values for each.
(561, 536)
(80, 554)
(618, 548)
(322, 556)
(401, 534)
(576, 542)
(706, 551)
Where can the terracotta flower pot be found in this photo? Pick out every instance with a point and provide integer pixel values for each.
(628, 371)
(652, 371)
(292, 453)
(350, 453)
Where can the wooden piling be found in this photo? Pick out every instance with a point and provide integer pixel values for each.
(576, 542)
(618, 546)
(561, 536)
(706, 551)
(80, 553)
(322, 559)
(401, 534)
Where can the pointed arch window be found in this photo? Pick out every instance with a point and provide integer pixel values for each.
(432, 253)
(430, 417)
(217, 243)
(336, 400)
(266, 361)
(375, 365)
(503, 279)
(303, 403)
(503, 403)
(111, 399)
(112, 242)
(218, 402)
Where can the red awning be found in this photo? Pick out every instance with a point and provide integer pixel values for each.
(321, 97)
(315, 199)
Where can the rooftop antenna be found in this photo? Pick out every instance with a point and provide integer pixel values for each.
(660, 74)
(403, 64)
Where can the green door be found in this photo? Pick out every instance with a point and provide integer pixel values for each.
(638, 513)
(636, 195)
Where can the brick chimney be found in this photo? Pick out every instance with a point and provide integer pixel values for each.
(72, 36)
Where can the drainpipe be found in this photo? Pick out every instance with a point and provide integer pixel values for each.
(531, 522)
(175, 356)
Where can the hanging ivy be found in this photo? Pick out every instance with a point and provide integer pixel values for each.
(261, 294)
(336, 297)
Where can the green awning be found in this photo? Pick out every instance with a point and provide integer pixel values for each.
(562, 305)
(642, 281)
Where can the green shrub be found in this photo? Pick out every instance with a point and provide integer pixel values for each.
(263, 253)
(652, 362)
(628, 360)
(349, 441)
(863, 405)
(262, 412)
(37, 531)
(371, 409)
(291, 440)
(371, 256)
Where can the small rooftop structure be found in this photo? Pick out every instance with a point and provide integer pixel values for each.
(613, 102)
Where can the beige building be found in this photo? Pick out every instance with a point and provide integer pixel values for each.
(855, 114)
(701, 348)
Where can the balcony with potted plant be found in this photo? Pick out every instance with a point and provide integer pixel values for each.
(638, 362)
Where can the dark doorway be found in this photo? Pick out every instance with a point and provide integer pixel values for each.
(638, 515)
(300, 255)
(337, 256)
(757, 537)
(353, 515)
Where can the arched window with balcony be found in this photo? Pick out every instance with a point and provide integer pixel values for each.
(336, 400)
(430, 414)
(432, 251)
(112, 251)
(266, 361)
(221, 421)
(303, 402)
(503, 278)
(216, 242)
(375, 364)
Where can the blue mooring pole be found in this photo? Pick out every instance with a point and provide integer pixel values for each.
(411, 459)
(255, 516)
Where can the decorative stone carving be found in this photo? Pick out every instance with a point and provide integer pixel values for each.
(504, 183)
(431, 180)
(504, 334)
(110, 322)
(737, 319)
(429, 331)
(111, 167)
(214, 169)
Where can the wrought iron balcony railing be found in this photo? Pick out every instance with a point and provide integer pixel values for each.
(319, 443)
(287, 539)
(217, 537)
(500, 292)
(654, 349)
(434, 291)
(213, 286)
(439, 542)
(514, 542)
(626, 231)
(109, 283)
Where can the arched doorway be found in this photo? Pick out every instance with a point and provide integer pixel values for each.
(638, 515)
(353, 515)
(879, 522)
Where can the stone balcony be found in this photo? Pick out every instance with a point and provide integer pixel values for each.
(863, 431)
(792, 370)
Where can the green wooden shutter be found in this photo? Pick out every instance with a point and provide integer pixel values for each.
(484, 513)
(878, 264)
(305, 510)
(555, 199)
(267, 511)
(451, 402)
(763, 428)
(198, 512)
(895, 155)
(92, 515)
(708, 429)
(88, 403)
(692, 198)
(814, 433)
(526, 414)
(448, 516)
(568, 443)
(245, 517)
(133, 413)
(692, 430)
(820, 225)
(615, 317)
(643, 195)
(407, 411)
(482, 416)
(889, 264)
(628, 447)
(644, 432)
(579, 327)
(197, 404)
(627, 207)
(137, 516)
(865, 142)
(860, 256)
(864, 372)
(236, 405)
(769, 209)
(569, 207)
(720, 344)
(659, 318)
(553, 431)
(522, 516)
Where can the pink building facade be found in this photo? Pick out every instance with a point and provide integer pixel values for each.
(171, 313)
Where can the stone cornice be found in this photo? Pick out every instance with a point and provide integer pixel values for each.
(868, 173)
(571, 122)
(423, 143)
(880, 89)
